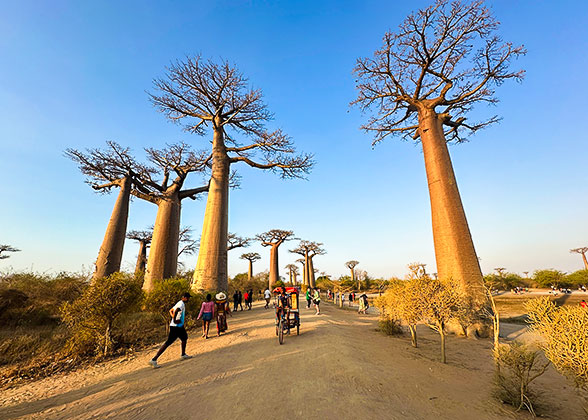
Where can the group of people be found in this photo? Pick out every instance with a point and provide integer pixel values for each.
(239, 297)
(313, 297)
(362, 300)
(218, 309)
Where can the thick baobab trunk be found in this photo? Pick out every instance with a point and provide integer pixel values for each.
(353, 279)
(141, 259)
(454, 249)
(295, 278)
(110, 254)
(163, 257)
(306, 270)
(290, 273)
(585, 261)
(274, 274)
(312, 280)
(211, 268)
(250, 273)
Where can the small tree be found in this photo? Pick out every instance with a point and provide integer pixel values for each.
(441, 300)
(547, 278)
(292, 273)
(7, 248)
(92, 316)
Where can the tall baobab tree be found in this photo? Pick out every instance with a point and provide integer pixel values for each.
(500, 271)
(351, 265)
(582, 251)
(144, 239)
(175, 161)
(234, 241)
(7, 248)
(421, 84)
(292, 272)
(308, 250)
(204, 94)
(302, 261)
(113, 167)
(274, 238)
(251, 257)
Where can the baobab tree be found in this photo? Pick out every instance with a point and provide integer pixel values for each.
(234, 241)
(144, 239)
(187, 245)
(351, 265)
(251, 257)
(421, 84)
(582, 251)
(417, 270)
(292, 272)
(113, 167)
(308, 250)
(177, 160)
(274, 238)
(204, 94)
(302, 261)
(7, 248)
(500, 271)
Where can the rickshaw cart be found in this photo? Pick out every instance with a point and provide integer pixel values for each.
(291, 318)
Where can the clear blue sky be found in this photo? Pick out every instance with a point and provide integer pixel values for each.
(74, 74)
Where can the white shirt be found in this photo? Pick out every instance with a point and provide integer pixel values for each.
(182, 307)
(267, 294)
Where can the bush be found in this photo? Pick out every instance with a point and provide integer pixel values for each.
(390, 327)
(577, 278)
(565, 339)
(516, 367)
(91, 318)
(548, 278)
(166, 293)
(505, 282)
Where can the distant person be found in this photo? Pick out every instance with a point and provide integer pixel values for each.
(206, 313)
(240, 299)
(365, 302)
(361, 303)
(250, 300)
(308, 298)
(583, 304)
(235, 300)
(316, 299)
(176, 330)
(246, 298)
(222, 308)
(267, 296)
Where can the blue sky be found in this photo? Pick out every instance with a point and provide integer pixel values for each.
(74, 74)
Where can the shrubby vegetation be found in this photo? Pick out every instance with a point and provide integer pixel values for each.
(53, 322)
(517, 366)
(564, 331)
(540, 279)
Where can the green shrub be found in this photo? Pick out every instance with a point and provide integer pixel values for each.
(91, 318)
(577, 278)
(548, 278)
(166, 293)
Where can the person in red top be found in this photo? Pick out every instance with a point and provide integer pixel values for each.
(583, 304)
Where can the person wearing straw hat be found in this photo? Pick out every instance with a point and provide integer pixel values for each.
(176, 330)
(222, 309)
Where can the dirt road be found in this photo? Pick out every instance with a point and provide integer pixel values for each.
(338, 368)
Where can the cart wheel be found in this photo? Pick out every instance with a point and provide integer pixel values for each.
(281, 332)
(277, 329)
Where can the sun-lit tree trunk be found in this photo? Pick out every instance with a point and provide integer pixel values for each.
(306, 269)
(141, 258)
(163, 256)
(111, 251)
(454, 249)
(250, 272)
(274, 273)
(211, 268)
(311, 277)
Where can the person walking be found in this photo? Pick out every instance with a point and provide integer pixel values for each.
(246, 298)
(176, 330)
(317, 301)
(583, 304)
(267, 296)
(206, 313)
(308, 298)
(240, 299)
(235, 300)
(250, 299)
(222, 308)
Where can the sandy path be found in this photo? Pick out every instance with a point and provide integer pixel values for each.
(339, 367)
